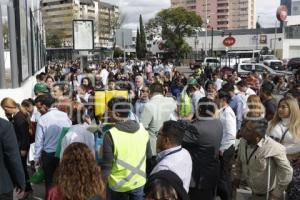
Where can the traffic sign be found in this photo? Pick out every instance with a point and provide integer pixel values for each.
(281, 13)
(229, 41)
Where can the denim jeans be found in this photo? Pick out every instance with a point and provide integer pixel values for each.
(136, 194)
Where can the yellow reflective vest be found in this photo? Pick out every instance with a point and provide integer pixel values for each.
(185, 104)
(129, 166)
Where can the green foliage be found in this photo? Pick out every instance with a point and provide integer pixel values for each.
(175, 23)
(138, 44)
(143, 44)
(118, 52)
(5, 32)
(54, 40)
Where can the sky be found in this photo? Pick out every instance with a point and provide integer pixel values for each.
(131, 9)
(266, 10)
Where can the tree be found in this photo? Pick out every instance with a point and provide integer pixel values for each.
(54, 40)
(138, 44)
(258, 25)
(143, 44)
(5, 32)
(118, 52)
(174, 24)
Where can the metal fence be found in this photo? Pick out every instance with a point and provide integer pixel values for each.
(22, 49)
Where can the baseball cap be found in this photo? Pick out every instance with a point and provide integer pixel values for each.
(40, 88)
(192, 82)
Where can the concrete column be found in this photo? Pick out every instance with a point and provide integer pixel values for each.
(13, 46)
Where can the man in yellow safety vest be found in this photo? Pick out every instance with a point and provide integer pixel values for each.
(124, 153)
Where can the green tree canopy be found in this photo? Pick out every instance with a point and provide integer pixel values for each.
(138, 44)
(5, 33)
(174, 24)
(143, 44)
(54, 40)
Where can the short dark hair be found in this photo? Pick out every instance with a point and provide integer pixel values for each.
(156, 88)
(208, 83)
(224, 94)
(174, 131)
(61, 86)
(27, 102)
(267, 88)
(242, 83)
(228, 87)
(206, 107)
(120, 105)
(46, 100)
(259, 126)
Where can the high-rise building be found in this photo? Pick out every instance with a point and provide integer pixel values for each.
(295, 9)
(58, 16)
(223, 14)
(288, 3)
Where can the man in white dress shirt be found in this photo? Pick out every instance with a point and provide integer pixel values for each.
(226, 156)
(171, 156)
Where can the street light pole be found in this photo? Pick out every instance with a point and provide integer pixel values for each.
(275, 38)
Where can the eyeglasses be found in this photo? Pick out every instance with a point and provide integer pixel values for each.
(144, 91)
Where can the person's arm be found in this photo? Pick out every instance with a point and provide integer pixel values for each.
(23, 131)
(12, 156)
(108, 155)
(38, 146)
(284, 172)
(229, 130)
(146, 116)
(239, 114)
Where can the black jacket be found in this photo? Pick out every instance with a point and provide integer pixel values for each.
(11, 169)
(203, 150)
(21, 126)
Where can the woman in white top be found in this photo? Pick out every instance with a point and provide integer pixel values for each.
(285, 128)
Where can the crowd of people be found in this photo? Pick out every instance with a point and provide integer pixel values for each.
(168, 136)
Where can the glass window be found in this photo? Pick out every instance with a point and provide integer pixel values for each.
(246, 67)
(259, 68)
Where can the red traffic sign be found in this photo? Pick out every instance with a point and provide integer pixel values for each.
(229, 41)
(281, 13)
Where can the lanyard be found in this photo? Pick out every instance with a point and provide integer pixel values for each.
(251, 155)
(170, 153)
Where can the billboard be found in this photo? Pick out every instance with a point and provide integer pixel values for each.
(83, 35)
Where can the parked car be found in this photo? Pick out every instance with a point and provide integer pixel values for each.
(293, 64)
(197, 63)
(272, 62)
(245, 68)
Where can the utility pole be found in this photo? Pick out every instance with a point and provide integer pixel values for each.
(275, 38)
(212, 42)
(123, 42)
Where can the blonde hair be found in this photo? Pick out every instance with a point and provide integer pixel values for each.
(256, 108)
(294, 122)
(9, 102)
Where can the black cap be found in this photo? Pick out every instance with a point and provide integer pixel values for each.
(172, 179)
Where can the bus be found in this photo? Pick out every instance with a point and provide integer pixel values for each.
(233, 58)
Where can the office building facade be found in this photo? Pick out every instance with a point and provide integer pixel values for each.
(58, 16)
(223, 14)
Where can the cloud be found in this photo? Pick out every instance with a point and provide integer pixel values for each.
(266, 10)
(131, 9)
